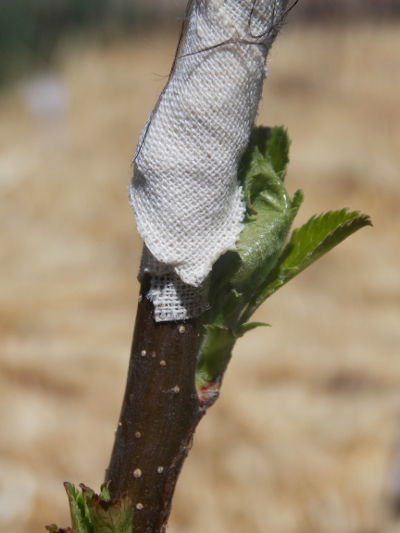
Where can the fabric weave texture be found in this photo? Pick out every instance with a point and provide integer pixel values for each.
(185, 193)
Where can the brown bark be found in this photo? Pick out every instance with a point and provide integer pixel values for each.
(159, 415)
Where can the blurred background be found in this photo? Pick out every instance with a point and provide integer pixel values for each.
(306, 435)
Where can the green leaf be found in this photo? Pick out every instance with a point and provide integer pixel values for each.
(236, 276)
(266, 158)
(242, 280)
(308, 243)
(222, 298)
(105, 491)
(94, 513)
(52, 527)
(297, 200)
(270, 209)
(111, 516)
(248, 326)
(86, 496)
(55, 529)
(214, 353)
(263, 237)
(277, 149)
(269, 145)
(79, 519)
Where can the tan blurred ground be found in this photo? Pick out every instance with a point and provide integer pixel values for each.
(303, 438)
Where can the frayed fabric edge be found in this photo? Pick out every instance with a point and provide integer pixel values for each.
(173, 299)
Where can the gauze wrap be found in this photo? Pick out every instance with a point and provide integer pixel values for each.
(184, 193)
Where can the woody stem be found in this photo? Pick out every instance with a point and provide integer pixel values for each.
(159, 415)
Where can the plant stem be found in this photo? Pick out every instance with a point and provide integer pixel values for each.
(160, 413)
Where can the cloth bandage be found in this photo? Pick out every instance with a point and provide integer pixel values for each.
(185, 194)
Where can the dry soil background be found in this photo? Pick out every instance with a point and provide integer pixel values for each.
(304, 436)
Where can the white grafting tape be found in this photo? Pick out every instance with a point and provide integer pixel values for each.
(184, 193)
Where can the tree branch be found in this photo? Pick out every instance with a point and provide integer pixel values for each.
(160, 413)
